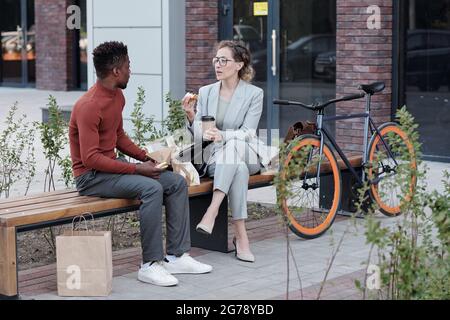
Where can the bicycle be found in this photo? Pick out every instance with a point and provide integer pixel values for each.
(388, 156)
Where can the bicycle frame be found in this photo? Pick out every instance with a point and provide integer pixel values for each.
(368, 125)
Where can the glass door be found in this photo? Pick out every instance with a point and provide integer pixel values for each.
(307, 40)
(17, 30)
(293, 45)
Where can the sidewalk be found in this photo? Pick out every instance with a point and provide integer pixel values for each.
(230, 279)
(265, 279)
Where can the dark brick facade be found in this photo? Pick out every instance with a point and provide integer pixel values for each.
(53, 45)
(363, 56)
(202, 33)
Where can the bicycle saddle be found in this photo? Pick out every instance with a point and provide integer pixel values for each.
(372, 88)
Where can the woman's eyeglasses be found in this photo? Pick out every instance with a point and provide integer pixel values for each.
(222, 61)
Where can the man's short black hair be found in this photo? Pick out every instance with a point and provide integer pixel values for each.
(109, 55)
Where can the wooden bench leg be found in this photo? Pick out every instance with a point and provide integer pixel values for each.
(218, 240)
(8, 262)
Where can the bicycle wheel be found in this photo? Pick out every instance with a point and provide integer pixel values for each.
(309, 211)
(395, 179)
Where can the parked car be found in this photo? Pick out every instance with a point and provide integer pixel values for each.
(325, 66)
(428, 59)
(297, 59)
(249, 35)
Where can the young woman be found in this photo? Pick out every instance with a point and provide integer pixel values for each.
(236, 106)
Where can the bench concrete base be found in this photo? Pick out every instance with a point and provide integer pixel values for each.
(218, 240)
(349, 194)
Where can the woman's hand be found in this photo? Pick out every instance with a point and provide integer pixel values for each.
(213, 134)
(188, 103)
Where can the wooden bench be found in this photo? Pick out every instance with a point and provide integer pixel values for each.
(59, 207)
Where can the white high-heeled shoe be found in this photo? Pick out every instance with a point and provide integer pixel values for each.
(203, 228)
(246, 256)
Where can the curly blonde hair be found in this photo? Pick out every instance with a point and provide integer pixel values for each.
(240, 54)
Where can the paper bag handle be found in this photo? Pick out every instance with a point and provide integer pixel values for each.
(81, 217)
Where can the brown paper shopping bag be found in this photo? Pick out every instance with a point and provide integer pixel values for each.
(158, 151)
(162, 155)
(84, 263)
(187, 171)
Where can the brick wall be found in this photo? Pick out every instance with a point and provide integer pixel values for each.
(53, 45)
(201, 36)
(363, 56)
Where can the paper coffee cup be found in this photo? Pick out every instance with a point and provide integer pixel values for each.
(208, 122)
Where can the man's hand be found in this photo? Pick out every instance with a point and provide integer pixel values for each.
(148, 169)
(147, 157)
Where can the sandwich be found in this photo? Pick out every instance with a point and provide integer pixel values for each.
(191, 98)
(162, 165)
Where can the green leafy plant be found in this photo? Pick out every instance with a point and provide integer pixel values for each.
(67, 174)
(54, 138)
(176, 118)
(144, 129)
(283, 185)
(17, 156)
(413, 255)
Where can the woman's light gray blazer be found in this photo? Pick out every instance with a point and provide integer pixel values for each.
(240, 122)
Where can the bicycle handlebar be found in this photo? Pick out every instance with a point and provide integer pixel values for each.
(287, 103)
(318, 106)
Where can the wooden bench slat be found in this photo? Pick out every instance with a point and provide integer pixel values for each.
(260, 179)
(57, 203)
(67, 211)
(36, 196)
(69, 204)
(325, 167)
(207, 184)
(355, 161)
(51, 204)
(25, 202)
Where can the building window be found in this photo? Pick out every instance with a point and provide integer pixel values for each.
(17, 33)
(427, 73)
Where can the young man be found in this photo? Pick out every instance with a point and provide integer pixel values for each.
(95, 131)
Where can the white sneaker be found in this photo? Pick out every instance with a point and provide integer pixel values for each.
(186, 264)
(156, 274)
